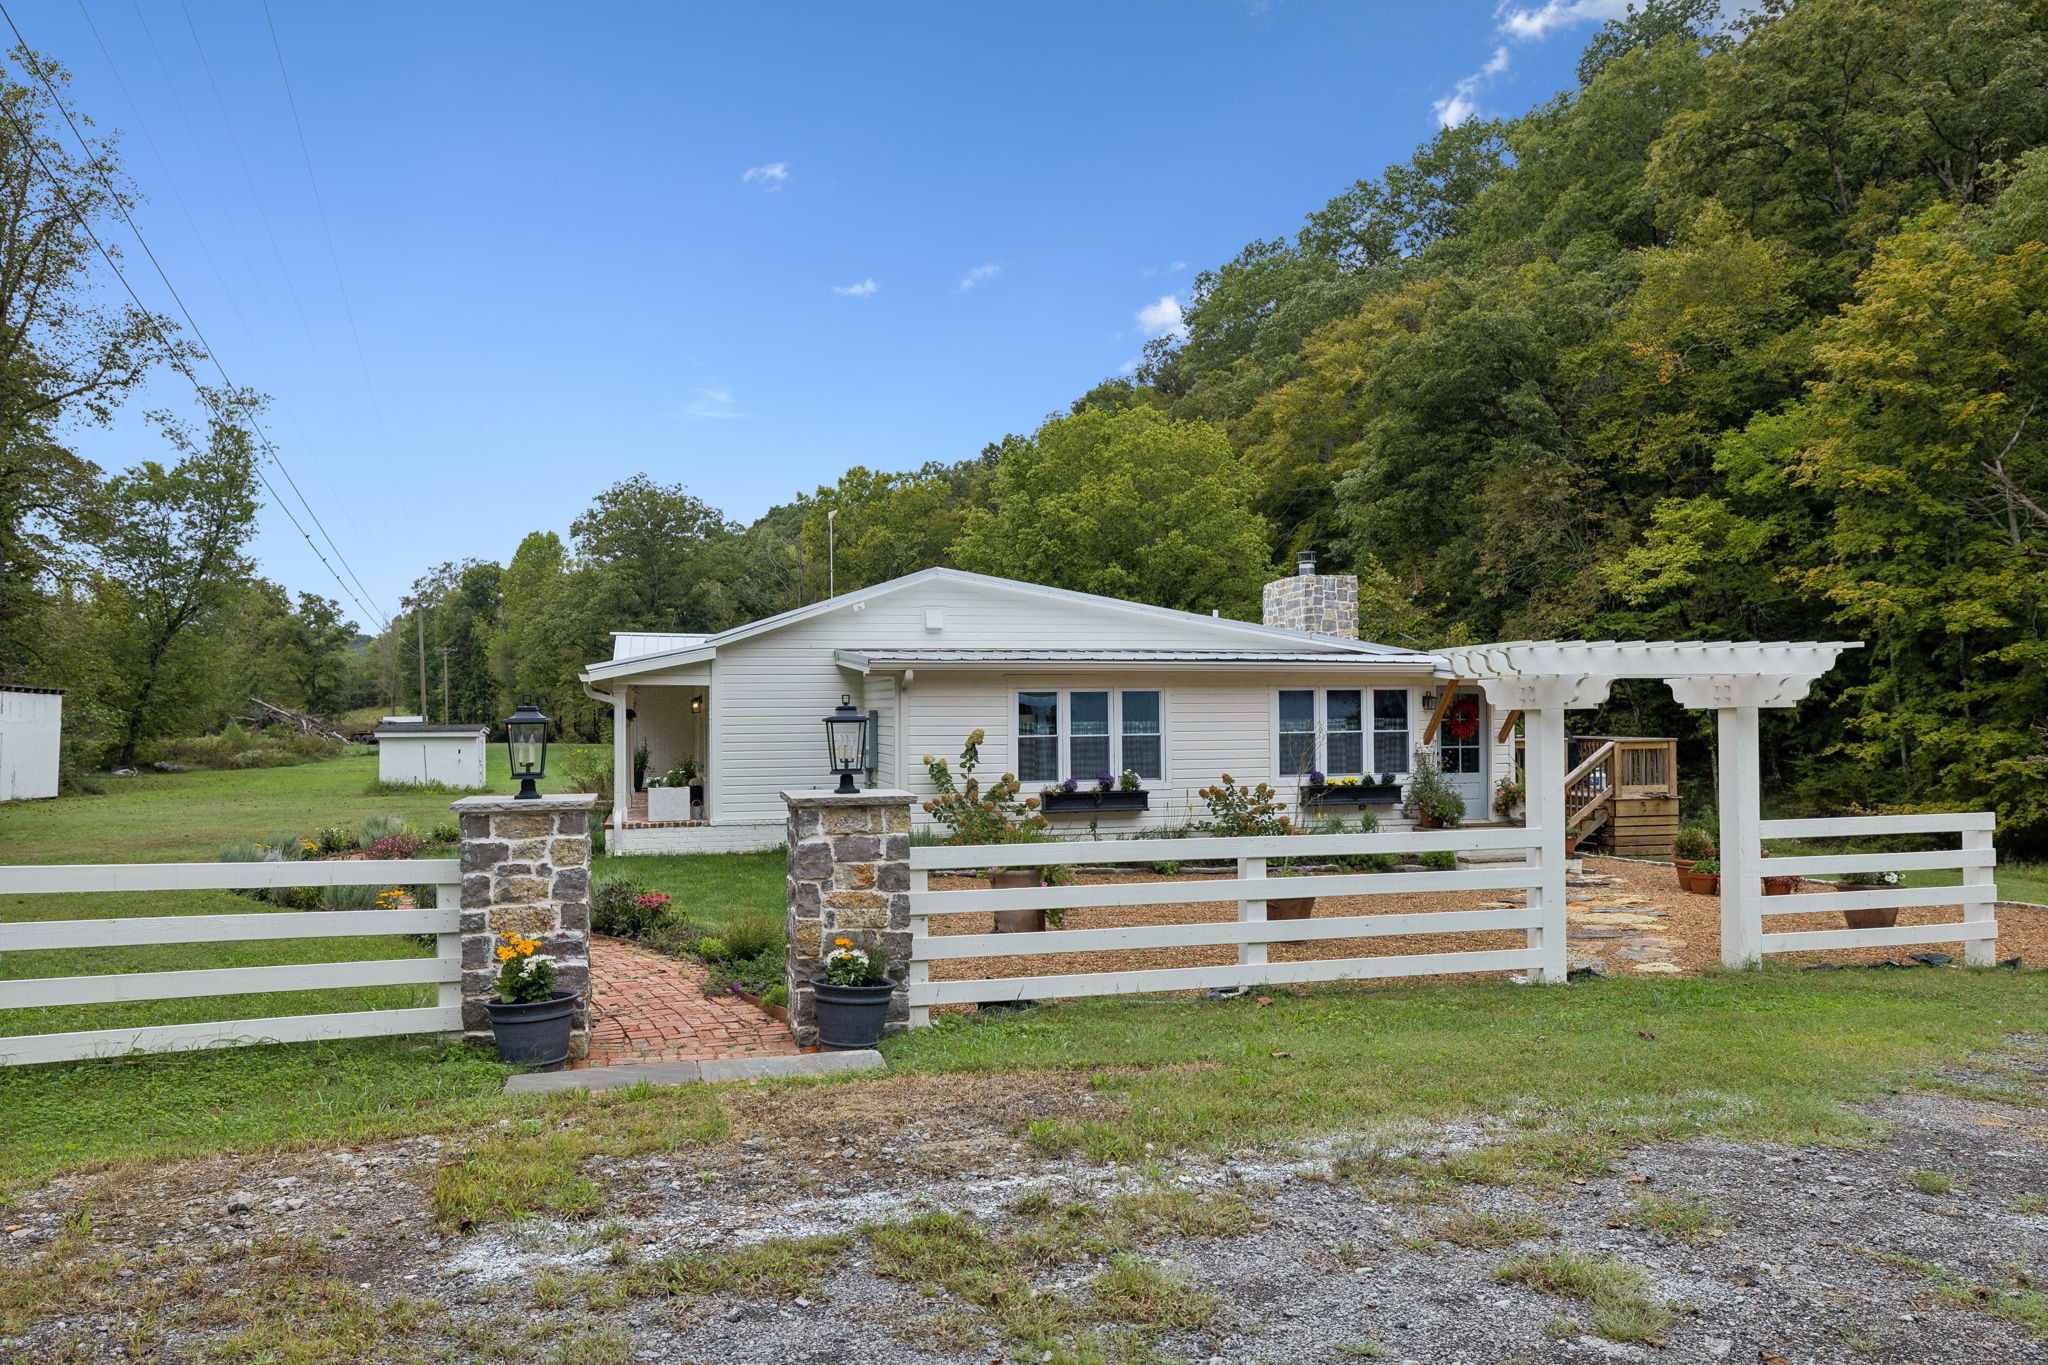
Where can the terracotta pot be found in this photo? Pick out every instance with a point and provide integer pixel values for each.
(1571, 844)
(1425, 820)
(1780, 886)
(1683, 867)
(1017, 879)
(1703, 885)
(1291, 907)
(1883, 918)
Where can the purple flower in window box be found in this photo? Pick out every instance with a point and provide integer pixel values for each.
(1070, 786)
(1106, 781)
(1315, 779)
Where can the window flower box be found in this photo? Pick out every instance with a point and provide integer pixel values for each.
(1093, 799)
(1351, 792)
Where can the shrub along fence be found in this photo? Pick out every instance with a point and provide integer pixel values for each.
(444, 969)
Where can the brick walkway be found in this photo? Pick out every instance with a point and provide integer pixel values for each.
(649, 1008)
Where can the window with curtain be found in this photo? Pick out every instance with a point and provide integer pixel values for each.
(1297, 732)
(1143, 747)
(1088, 726)
(1391, 751)
(1038, 736)
(1344, 718)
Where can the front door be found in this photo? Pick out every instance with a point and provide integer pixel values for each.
(1461, 749)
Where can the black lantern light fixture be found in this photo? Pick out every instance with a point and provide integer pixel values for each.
(526, 743)
(846, 740)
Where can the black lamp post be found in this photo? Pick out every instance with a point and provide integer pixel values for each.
(846, 739)
(526, 743)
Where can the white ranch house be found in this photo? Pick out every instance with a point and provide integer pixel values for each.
(1064, 684)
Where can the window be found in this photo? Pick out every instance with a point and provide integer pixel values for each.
(1088, 754)
(1297, 733)
(1106, 732)
(1391, 752)
(1144, 753)
(1325, 731)
(1038, 736)
(1344, 715)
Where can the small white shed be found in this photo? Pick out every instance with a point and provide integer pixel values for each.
(410, 750)
(31, 734)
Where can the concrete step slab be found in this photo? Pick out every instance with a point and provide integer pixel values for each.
(689, 1073)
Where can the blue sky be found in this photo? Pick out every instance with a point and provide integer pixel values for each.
(739, 247)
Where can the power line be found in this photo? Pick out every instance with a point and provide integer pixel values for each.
(27, 137)
(220, 276)
(93, 163)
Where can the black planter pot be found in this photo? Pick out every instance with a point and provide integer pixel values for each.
(850, 1016)
(534, 1034)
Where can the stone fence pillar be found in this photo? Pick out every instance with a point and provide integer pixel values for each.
(525, 867)
(849, 877)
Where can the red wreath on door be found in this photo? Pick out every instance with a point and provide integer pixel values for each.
(1461, 722)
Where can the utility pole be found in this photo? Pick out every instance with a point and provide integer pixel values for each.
(831, 554)
(419, 618)
(446, 650)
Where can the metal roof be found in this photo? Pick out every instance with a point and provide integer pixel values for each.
(698, 649)
(886, 659)
(421, 728)
(24, 687)
(638, 644)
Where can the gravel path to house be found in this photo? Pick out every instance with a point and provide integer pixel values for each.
(1921, 1249)
(1627, 917)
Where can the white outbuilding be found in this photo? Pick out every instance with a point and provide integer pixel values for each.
(31, 734)
(411, 751)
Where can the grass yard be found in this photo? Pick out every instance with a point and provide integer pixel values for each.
(713, 889)
(1572, 1074)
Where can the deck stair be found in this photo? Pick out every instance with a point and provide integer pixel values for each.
(1621, 793)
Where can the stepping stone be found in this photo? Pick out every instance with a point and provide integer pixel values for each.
(1659, 968)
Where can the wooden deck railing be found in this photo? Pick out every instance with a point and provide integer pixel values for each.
(1607, 768)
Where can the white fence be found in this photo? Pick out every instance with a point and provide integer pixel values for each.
(1541, 919)
(444, 969)
(1978, 894)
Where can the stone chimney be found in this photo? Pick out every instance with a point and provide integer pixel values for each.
(1323, 604)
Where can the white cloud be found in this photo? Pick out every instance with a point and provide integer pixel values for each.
(770, 177)
(864, 289)
(981, 274)
(714, 403)
(1162, 319)
(1534, 25)
(1462, 103)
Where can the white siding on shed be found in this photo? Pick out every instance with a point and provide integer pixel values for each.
(31, 739)
(451, 760)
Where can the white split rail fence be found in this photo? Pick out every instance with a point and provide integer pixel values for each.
(443, 970)
(1541, 919)
(1975, 859)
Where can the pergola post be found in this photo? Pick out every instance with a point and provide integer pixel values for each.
(1740, 801)
(1543, 780)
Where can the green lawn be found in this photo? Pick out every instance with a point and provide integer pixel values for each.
(713, 889)
(1571, 1073)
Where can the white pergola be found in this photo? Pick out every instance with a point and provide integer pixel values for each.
(1734, 679)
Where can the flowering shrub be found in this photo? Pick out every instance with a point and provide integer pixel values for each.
(400, 845)
(1237, 812)
(1507, 794)
(621, 907)
(1130, 781)
(525, 977)
(998, 814)
(847, 965)
(394, 899)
